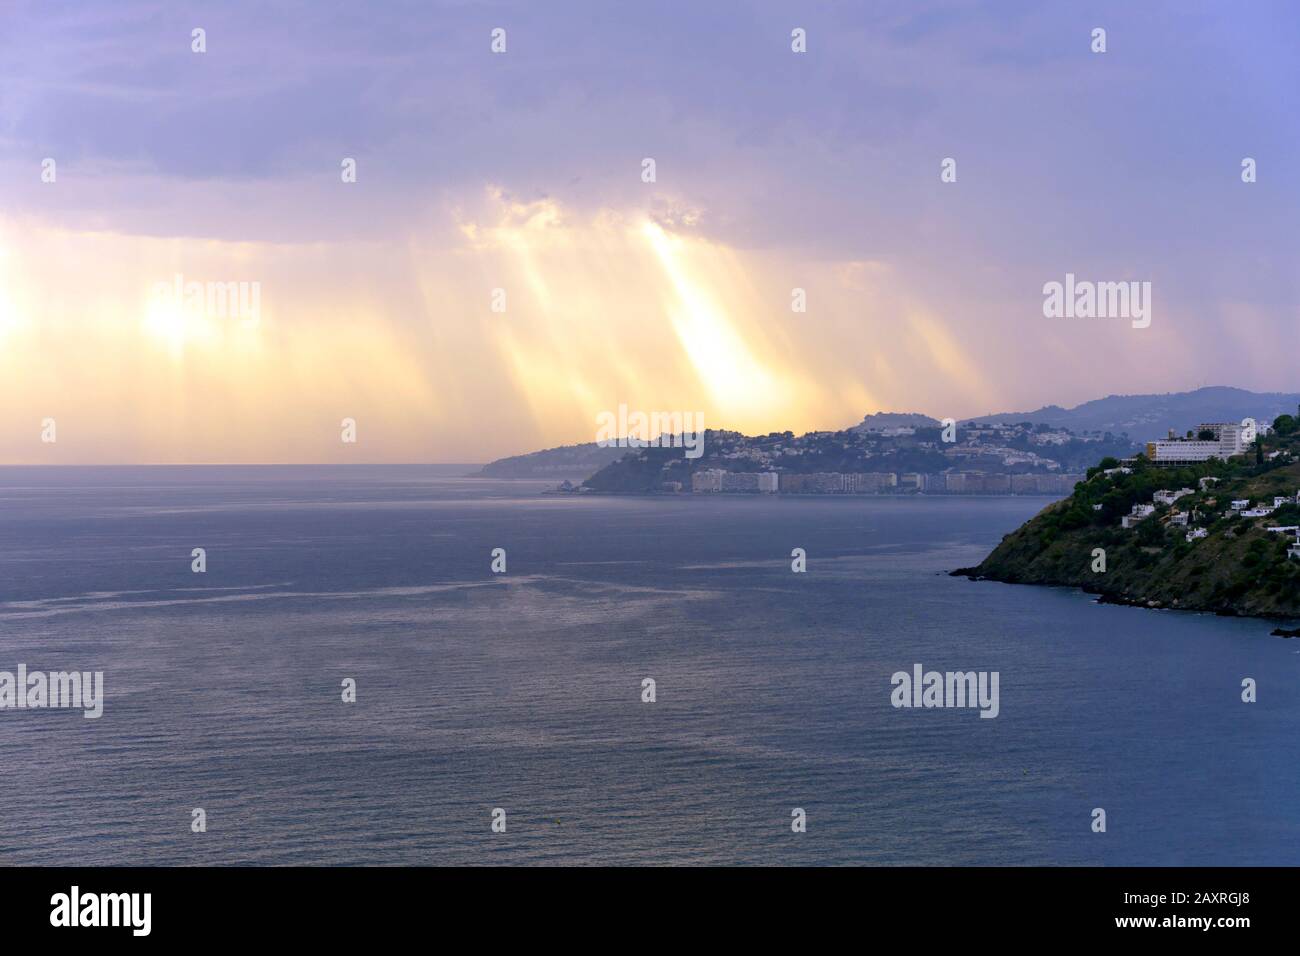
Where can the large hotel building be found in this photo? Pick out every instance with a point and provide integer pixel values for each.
(1227, 441)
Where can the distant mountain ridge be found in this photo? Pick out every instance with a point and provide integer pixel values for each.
(1142, 417)
(1145, 417)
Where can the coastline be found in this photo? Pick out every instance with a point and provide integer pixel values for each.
(1148, 604)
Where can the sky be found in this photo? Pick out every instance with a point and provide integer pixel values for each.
(500, 273)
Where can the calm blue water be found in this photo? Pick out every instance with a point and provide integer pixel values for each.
(522, 691)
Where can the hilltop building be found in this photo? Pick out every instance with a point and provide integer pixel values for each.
(1227, 441)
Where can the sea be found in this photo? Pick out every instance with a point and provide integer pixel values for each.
(520, 698)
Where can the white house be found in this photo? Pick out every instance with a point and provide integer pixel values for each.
(1166, 497)
(1196, 533)
(1139, 513)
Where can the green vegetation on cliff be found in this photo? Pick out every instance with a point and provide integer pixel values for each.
(1237, 567)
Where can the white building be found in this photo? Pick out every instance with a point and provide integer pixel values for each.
(709, 480)
(1164, 497)
(1139, 513)
(1179, 519)
(717, 480)
(1227, 441)
(1196, 533)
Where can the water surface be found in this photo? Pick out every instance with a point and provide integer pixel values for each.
(523, 691)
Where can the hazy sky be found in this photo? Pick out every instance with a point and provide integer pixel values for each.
(522, 171)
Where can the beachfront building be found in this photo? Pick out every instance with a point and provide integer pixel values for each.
(868, 483)
(817, 483)
(748, 482)
(708, 480)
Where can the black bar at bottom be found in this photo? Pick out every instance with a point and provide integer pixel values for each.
(374, 904)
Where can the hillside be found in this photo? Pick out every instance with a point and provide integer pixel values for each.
(1153, 415)
(1237, 567)
(568, 461)
(1005, 450)
(883, 420)
(1116, 419)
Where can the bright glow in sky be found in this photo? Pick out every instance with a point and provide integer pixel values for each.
(521, 172)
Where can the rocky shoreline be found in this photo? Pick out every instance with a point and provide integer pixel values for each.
(1149, 604)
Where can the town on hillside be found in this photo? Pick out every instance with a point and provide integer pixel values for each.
(1209, 520)
(922, 456)
(1213, 441)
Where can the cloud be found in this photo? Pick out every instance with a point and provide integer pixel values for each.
(522, 171)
